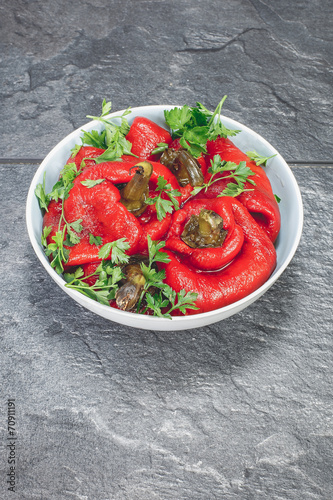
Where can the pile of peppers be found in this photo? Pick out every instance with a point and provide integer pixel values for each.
(219, 247)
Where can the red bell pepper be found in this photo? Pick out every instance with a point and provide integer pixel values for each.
(260, 202)
(104, 215)
(250, 269)
(206, 258)
(144, 135)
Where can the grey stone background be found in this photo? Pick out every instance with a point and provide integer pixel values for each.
(240, 410)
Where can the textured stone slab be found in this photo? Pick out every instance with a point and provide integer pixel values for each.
(238, 410)
(273, 59)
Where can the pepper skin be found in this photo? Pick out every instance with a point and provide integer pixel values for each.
(207, 259)
(250, 269)
(260, 202)
(144, 135)
(104, 215)
(83, 153)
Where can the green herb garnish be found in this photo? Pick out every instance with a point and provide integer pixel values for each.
(67, 231)
(43, 198)
(89, 183)
(258, 159)
(197, 125)
(118, 248)
(165, 297)
(105, 287)
(164, 206)
(95, 240)
(239, 173)
(111, 138)
(161, 146)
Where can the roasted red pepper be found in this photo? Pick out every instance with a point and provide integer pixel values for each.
(104, 215)
(260, 202)
(219, 247)
(144, 135)
(84, 153)
(206, 258)
(249, 270)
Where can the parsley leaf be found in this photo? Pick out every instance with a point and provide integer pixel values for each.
(239, 173)
(94, 138)
(117, 146)
(43, 198)
(67, 235)
(46, 231)
(118, 248)
(177, 118)
(161, 146)
(216, 127)
(75, 150)
(89, 183)
(196, 125)
(57, 251)
(76, 225)
(110, 126)
(104, 288)
(65, 183)
(95, 240)
(164, 206)
(165, 297)
(258, 159)
(106, 107)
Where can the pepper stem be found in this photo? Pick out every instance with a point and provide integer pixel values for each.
(204, 230)
(134, 194)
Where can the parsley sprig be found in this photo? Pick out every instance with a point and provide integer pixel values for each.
(117, 249)
(165, 297)
(164, 206)
(196, 125)
(67, 231)
(42, 197)
(259, 159)
(156, 295)
(112, 138)
(104, 289)
(238, 173)
(161, 146)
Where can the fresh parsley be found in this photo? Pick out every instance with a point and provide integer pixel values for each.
(165, 297)
(112, 138)
(67, 231)
(57, 251)
(196, 125)
(46, 231)
(89, 183)
(118, 249)
(238, 173)
(75, 150)
(43, 198)
(105, 287)
(164, 206)
(95, 240)
(258, 159)
(161, 146)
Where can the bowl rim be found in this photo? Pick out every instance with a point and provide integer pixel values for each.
(154, 321)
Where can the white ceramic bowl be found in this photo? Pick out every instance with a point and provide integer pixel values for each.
(283, 183)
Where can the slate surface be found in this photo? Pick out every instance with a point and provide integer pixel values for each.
(273, 59)
(238, 410)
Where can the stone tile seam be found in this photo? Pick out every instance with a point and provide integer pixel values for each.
(291, 163)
